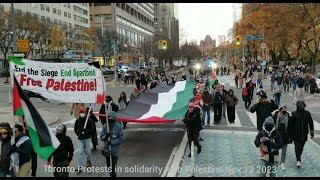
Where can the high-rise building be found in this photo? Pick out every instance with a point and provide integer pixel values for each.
(162, 16)
(70, 14)
(221, 39)
(134, 21)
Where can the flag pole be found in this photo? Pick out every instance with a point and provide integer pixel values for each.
(107, 126)
(87, 118)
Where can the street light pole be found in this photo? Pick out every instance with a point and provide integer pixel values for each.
(14, 28)
(115, 62)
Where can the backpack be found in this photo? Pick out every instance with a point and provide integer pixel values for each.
(251, 84)
(245, 92)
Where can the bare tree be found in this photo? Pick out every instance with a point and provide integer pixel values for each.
(190, 52)
(5, 36)
(144, 48)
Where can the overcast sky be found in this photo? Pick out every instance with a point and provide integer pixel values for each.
(201, 19)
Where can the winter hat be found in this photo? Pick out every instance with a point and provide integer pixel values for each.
(269, 120)
(3, 130)
(83, 110)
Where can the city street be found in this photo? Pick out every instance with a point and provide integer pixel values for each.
(228, 149)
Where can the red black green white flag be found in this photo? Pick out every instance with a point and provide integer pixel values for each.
(44, 142)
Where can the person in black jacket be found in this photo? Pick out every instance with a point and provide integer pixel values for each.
(217, 105)
(192, 119)
(21, 149)
(84, 133)
(264, 107)
(298, 128)
(153, 84)
(62, 156)
(94, 137)
(34, 157)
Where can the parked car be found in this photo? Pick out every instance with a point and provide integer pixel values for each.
(124, 69)
(107, 71)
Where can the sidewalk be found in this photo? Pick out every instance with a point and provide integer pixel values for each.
(6, 115)
(233, 154)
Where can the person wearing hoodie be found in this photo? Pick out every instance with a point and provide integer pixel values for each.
(192, 119)
(277, 90)
(264, 107)
(84, 134)
(21, 153)
(112, 137)
(63, 155)
(94, 120)
(4, 151)
(231, 101)
(269, 141)
(298, 127)
(312, 85)
(282, 116)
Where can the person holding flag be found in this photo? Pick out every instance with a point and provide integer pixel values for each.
(41, 140)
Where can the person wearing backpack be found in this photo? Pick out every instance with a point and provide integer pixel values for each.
(282, 116)
(246, 96)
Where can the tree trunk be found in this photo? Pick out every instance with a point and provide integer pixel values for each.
(314, 60)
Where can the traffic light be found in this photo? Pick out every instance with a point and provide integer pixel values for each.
(164, 44)
(238, 40)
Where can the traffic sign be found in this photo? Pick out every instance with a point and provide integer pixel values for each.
(17, 54)
(23, 45)
(253, 37)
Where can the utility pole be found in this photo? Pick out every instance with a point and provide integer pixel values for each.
(243, 49)
(14, 28)
(115, 61)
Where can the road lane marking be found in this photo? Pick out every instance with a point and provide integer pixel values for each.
(252, 117)
(237, 122)
(166, 169)
(178, 157)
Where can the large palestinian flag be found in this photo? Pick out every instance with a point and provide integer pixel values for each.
(213, 79)
(162, 104)
(44, 142)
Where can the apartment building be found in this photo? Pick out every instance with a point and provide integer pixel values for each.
(134, 21)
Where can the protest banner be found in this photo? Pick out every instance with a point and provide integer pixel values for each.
(66, 82)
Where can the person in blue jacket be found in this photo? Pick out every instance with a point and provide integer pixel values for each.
(112, 138)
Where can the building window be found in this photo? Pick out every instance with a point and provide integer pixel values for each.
(65, 14)
(43, 18)
(47, 8)
(102, 4)
(59, 22)
(69, 24)
(59, 11)
(68, 5)
(54, 10)
(164, 10)
(55, 21)
(69, 15)
(34, 5)
(41, 6)
(48, 19)
(35, 15)
(162, 19)
(28, 4)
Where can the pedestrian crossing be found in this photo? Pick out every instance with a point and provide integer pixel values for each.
(243, 119)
